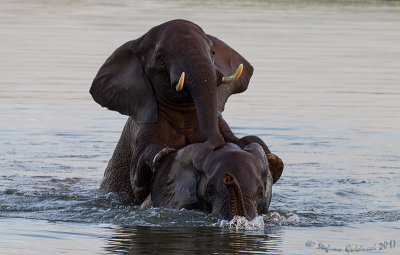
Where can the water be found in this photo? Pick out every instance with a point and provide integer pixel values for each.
(324, 95)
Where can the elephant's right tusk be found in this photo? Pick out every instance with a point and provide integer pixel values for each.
(181, 81)
(234, 76)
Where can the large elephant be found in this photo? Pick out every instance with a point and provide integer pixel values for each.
(173, 83)
(228, 181)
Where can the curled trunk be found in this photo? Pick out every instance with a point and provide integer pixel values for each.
(235, 196)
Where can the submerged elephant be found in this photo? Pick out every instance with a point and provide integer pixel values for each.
(173, 83)
(229, 181)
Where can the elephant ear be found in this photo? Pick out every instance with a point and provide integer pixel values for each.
(228, 60)
(175, 181)
(257, 150)
(266, 175)
(120, 85)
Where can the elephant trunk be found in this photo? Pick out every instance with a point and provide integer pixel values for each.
(235, 196)
(203, 89)
(207, 116)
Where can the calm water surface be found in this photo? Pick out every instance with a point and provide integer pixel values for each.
(325, 96)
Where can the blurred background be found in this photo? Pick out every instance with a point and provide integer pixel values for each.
(325, 96)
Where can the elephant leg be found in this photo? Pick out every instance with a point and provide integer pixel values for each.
(275, 163)
(116, 175)
(141, 178)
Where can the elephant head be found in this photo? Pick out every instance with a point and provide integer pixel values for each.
(229, 181)
(173, 65)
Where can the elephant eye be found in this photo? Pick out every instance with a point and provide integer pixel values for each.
(160, 57)
(212, 56)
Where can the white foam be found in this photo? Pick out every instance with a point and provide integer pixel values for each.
(241, 223)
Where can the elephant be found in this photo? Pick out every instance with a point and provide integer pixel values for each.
(227, 182)
(173, 83)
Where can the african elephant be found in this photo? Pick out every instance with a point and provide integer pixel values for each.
(228, 181)
(173, 83)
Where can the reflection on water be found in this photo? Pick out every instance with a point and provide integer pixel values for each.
(201, 240)
(324, 95)
(22, 236)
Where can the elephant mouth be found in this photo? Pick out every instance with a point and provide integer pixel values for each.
(177, 106)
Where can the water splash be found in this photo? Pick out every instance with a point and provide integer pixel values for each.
(241, 223)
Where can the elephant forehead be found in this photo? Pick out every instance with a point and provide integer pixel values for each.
(241, 164)
(175, 37)
(228, 154)
(181, 26)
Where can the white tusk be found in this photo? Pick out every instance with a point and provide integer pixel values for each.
(234, 76)
(179, 86)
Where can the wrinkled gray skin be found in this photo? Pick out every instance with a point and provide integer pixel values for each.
(193, 178)
(139, 80)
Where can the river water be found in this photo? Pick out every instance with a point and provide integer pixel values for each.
(325, 96)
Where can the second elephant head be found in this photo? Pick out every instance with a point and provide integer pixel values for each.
(229, 181)
(175, 64)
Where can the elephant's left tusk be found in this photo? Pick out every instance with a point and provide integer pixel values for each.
(234, 76)
(179, 86)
